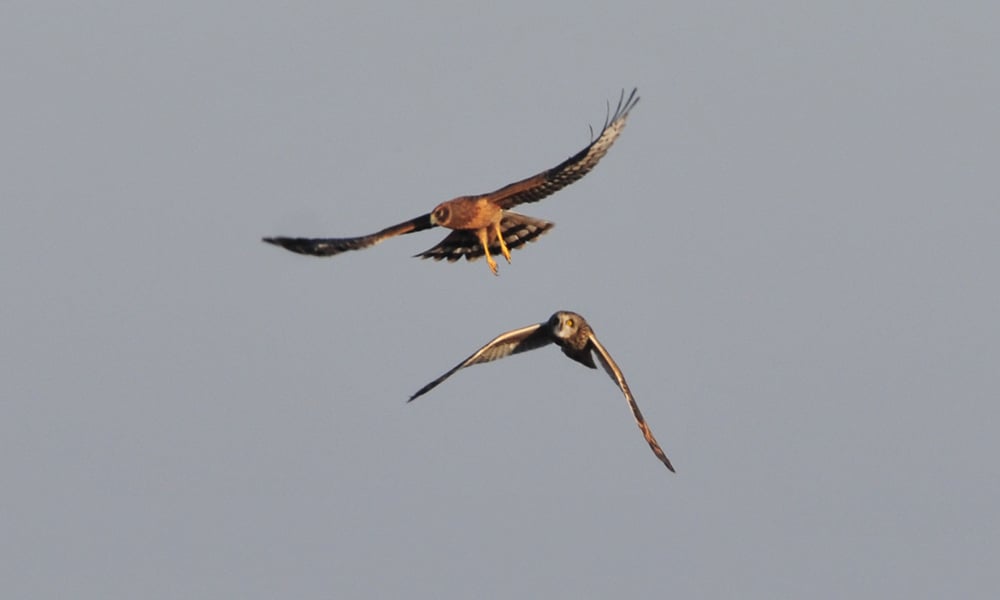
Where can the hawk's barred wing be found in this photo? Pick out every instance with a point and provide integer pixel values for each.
(548, 182)
(331, 246)
(612, 368)
(505, 344)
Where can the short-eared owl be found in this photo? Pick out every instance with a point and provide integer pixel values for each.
(574, 335)
(483, 224)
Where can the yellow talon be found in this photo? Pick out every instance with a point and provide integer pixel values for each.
(484, 240)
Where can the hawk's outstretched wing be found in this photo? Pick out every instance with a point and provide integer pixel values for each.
(505, 344)
(548, 182)
(612, 369)
(331, 246)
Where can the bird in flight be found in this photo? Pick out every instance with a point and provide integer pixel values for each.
(483, 225)
(573, 334)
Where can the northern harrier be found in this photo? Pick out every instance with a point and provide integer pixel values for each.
(573, 334)
(483, 224)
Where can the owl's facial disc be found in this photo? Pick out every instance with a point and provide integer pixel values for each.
(562, 324)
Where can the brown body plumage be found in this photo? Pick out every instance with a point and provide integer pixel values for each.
(573, 334)
(483, 225)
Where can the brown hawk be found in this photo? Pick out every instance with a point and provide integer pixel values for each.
(573, 334)
(483, 225)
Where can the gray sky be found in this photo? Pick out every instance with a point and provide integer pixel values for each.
(791, 251)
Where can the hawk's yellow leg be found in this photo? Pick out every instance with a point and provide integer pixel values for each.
(484, 240)
(503, 244)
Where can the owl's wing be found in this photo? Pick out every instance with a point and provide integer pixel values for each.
(612, 369)
(517, 231)
(331, 246)
(552, 180)
(505, 344)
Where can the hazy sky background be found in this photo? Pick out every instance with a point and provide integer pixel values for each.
(792, 251)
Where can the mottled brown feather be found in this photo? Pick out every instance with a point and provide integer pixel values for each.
(579, 344)
(548, 182)
(611, 368)
(472, 217)
(505, 344)
(332, 246)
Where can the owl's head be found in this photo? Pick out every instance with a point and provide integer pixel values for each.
(441, 214)
(564, 324)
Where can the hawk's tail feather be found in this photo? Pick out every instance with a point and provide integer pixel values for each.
(517, 231)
